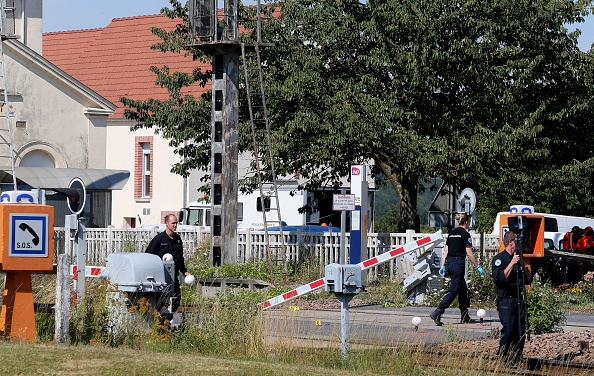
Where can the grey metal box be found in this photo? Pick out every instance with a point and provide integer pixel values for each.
(344, 279)
(138, 272)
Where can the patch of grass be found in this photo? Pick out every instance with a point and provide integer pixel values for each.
(98, 360)
(385, 293)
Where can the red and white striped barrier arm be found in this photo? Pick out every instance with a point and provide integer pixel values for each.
(293, 293)
(408, 247)
(387, 256)
(90, 271)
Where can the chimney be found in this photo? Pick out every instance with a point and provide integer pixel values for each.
(23, 19)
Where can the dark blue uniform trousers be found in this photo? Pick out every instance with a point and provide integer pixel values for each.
(512, 314)
(456, 267)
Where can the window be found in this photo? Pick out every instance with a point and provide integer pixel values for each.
(551, 224)
(146, 169)
(266, 204)
(143, 167)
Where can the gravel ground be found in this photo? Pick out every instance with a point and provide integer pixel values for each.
(574, 346)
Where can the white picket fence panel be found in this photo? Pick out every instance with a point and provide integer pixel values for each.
(251, 245)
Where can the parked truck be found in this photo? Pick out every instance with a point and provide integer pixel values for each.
(542, 250)
(555, 225)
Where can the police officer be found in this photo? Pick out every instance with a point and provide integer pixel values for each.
(458, 246)
(170, 242)
(506, 268)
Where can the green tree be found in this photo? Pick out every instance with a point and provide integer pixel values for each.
(388, 221)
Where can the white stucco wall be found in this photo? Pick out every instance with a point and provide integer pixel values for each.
(50, 114)
(167, 187)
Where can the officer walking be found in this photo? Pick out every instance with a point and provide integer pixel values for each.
(506, 269)
(458, 246)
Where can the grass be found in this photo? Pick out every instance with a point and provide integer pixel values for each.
(100, 360)
(96, 360)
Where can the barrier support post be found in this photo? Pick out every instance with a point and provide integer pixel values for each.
(344, 322)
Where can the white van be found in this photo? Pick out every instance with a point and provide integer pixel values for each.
(555, 225)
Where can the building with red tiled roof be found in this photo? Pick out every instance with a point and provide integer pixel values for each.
(58, 125)
(114, 61)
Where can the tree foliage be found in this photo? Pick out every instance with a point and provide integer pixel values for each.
(491, 95)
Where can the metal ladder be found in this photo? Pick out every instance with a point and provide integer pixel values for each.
(6, 133)
(263, 154)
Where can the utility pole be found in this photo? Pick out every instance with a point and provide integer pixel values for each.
(218, 35)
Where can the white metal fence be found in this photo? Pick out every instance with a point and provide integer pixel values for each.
(251, 245)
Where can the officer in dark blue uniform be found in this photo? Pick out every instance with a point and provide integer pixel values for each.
(170, 242)
(506, 268)
(458, 246)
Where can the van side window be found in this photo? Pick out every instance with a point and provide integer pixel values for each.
(550, 225)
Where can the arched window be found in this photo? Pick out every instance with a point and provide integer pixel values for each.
(37, 158)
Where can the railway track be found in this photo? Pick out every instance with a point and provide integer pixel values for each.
(429, 345)
(490, 363)
(471, 362)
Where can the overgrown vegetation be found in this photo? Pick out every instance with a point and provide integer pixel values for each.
(544, 308)
(482, 291)
(385, 293)
(579, 296)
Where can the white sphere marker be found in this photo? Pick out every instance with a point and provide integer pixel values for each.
(481, 313)
(188, 279)
(416, 321)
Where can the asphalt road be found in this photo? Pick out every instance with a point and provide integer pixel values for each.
(386, 326)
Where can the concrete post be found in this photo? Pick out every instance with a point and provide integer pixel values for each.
(62, 313)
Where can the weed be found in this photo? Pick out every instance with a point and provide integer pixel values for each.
(306, 270)
(45, 324)
(456, 333)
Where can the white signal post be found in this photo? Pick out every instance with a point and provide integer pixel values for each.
(428, 241)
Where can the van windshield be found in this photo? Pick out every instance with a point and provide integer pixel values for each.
(199, 217)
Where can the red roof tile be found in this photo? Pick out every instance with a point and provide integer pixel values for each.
(114, 61)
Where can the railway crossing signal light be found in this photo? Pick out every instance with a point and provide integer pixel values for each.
(76, 195)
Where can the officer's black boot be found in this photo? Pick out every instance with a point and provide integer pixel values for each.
(465, 317)
(436, 316)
